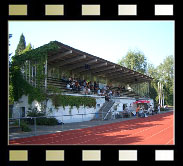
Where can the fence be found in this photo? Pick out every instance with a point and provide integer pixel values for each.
(38, 127)
(34, 122)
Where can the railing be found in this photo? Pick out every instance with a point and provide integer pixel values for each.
(109, 109)
(34, 125)
(108, 113)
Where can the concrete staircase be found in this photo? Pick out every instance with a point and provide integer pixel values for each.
(104, 110)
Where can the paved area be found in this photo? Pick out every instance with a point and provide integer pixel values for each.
(42, 130)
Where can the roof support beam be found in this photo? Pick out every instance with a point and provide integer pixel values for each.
(92, 67)
(130, 75)
(99, 65)
(78, 65)
(106, 72)
(138, 81)
(104, 69)
(113, 71)
(95, 70)
(132, 80)
(61, 55)
(120, 74)
(71, 60)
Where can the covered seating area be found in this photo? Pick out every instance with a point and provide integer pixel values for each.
(69, 67)
(75, 71)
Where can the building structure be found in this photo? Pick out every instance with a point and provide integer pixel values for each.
(62, 62)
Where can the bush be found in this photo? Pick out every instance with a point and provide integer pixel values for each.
(40, 120)
(162, 109)
(46, 121)
(35, 113)
(25, 126)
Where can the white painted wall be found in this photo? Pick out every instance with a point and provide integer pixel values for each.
(68, 115)
(22, 102)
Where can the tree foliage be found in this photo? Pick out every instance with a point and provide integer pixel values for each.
(163, 73)
(134, 60)
(21, 45)
(166, 77)
(28, 48)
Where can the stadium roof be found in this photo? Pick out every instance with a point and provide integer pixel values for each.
(68, 58)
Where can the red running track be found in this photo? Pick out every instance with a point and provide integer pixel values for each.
(153, 130)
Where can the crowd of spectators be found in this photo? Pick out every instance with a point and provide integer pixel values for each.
(82, 86)
(89, 87)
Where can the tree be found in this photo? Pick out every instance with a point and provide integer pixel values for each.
(28, 48)
(166, 69)
(166, 77)
(11, 100)
(163, 73)
(134, 60)
(153, 88)
(21, 45)
(21, 48)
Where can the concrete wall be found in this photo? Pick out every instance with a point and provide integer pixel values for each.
(69, 115)
(22, 102)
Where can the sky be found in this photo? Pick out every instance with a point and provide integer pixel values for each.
(110, 40)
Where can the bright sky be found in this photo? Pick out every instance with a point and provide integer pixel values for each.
(110, 40)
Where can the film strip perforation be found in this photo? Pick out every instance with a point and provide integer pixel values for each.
(88, 155)
(93, 9)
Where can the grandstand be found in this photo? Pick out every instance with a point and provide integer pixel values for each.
(66, 65)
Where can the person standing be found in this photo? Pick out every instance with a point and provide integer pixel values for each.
(137, 110)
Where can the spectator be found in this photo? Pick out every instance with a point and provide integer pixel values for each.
(137, 111)
(106, 97)
(81, 87)
(149, 111)
(98, 92)
(117, 94)
(84, 90)
(95, 86)
(68, 86)
(73, 85)
(125, 112)
(141, 113)
(77, 86)
(79, 81)
(103, 92)
(110, 93)
(88, 91)
(64, 78)
(84, 83)
(70, 79)
(87, 84)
